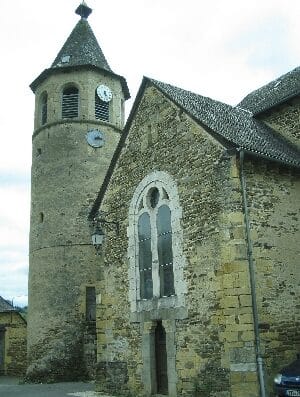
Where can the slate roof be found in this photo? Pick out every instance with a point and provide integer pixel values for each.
(274, 93)
(5, 306)
(235, 125)
(82, 48)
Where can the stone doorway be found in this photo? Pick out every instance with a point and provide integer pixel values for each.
(161, 359)
(159, 351)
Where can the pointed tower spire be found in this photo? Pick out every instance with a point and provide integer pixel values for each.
(83, 10)
(81, 50)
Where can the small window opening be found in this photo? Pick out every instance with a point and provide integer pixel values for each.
(123, 110)
(90, 304)
(41, 217)
(65, 59)
(39, 151)
(44, 109)
(101, 109)
(70, 101)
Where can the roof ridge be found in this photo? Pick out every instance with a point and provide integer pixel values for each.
(273, 93)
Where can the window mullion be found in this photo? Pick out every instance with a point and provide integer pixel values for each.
(155, 264)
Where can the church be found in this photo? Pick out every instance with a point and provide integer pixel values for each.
(164, 253)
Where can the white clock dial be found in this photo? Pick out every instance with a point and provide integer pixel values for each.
(104, 93)
(95, 138)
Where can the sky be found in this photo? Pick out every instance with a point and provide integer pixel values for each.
(220, 49)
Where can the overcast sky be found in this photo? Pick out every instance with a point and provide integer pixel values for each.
(221, 49)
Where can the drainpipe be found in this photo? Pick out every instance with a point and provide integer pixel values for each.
(252, 280)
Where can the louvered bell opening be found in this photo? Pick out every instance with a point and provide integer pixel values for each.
(101, 109)
(70, 101)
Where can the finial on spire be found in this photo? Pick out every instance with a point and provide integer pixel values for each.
(83, 10)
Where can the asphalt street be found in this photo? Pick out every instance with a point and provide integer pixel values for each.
(10, 387)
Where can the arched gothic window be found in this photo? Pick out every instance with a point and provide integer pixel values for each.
(155, 245)
(155, 254)
(70, 102)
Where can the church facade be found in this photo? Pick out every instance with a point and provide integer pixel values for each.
(195, 289)
(200, 288)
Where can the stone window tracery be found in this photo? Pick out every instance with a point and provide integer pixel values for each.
(155, 255)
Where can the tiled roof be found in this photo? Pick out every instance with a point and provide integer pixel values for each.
(81, 48)
(5, 306)
(274, 93)
(234, 124)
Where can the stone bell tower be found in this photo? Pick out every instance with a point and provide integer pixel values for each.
(79, 116)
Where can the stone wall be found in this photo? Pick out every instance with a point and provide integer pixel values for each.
(273, 194)
(15, 336)
(285, 119)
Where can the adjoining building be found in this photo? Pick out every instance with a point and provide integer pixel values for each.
(12, 340)
(195, 289)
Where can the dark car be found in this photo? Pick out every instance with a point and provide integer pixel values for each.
(287, 382)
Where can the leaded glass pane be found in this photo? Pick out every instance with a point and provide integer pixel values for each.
(167, 280)
(154, 197)
(165, 253)
(163, 220)
(164, 245)
(145, 256)
(146, 284)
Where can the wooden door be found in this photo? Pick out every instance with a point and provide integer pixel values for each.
(161, 360)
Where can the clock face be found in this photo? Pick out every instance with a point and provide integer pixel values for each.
(104, 93)
(95, 138)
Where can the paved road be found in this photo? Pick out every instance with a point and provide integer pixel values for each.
(10, 387)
